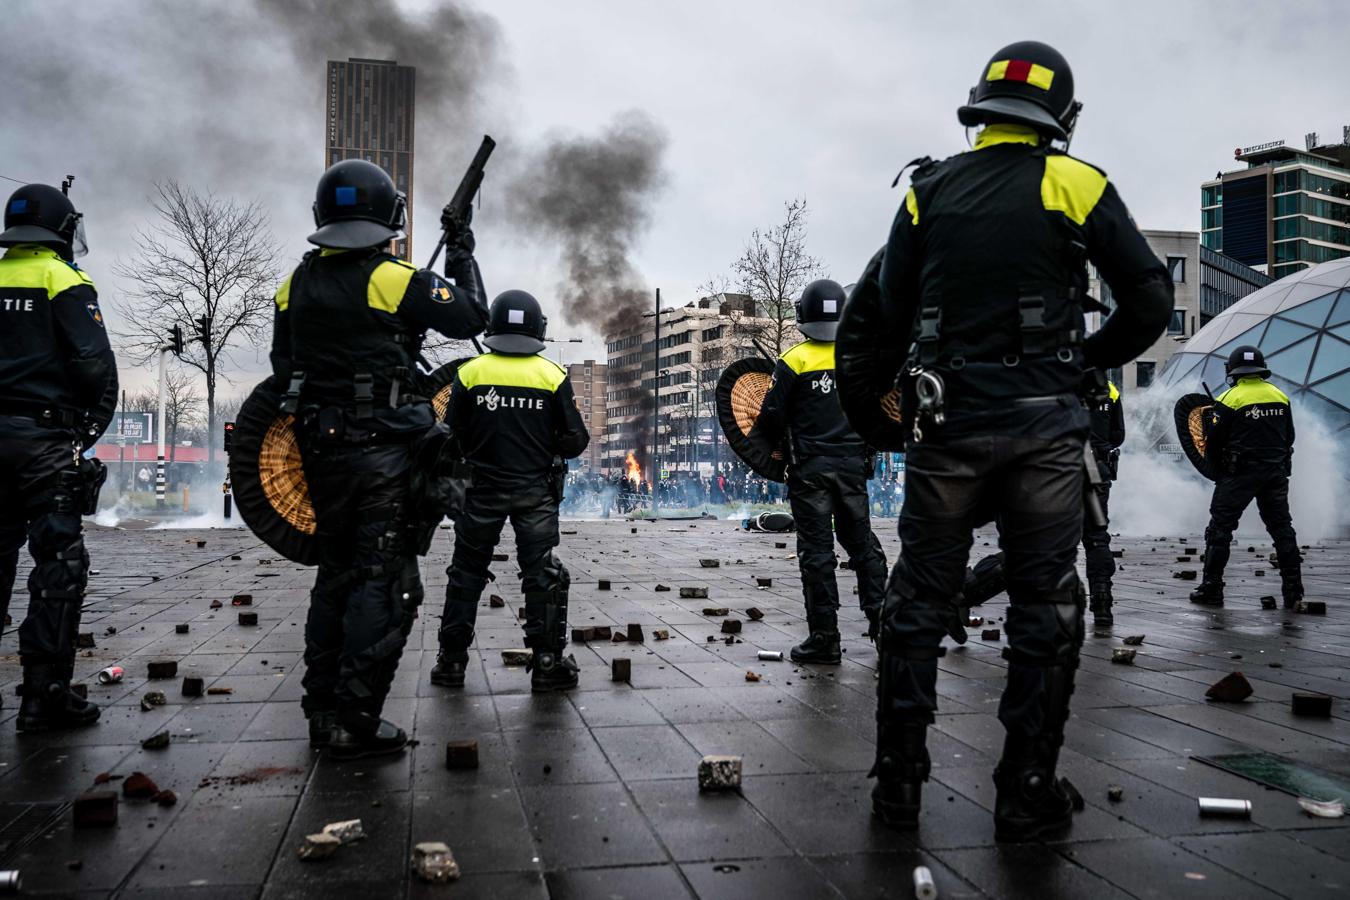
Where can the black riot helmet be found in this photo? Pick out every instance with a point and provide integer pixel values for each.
(516, 324)
(1246, 360)
(41, 214)
(356, 206)
(818, 309)
(1029, 83)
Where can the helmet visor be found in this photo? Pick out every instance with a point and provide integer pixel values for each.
(79, 244)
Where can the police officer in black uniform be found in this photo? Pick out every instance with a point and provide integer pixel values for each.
(515, 419)
(349, 325)
(986, 259)
(1106, 434)
(1250, 436)
(58, 389)
(828, 471)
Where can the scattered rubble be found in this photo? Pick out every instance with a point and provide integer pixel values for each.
(751, 675)
(1115, 793)
(216, 604)
(157, 741)
(662, 588)
(517, 657)
(318, 846)
(248, 618)
(713, 611)
(79, 690)
(500, 557)
(1311, 607)
(193, 686)
(621, 669)
(241, 600)
(618, 637)
(603, 632)
(1123, 655)
(990, 634)
(165, 798)
(461, 755)
(495, 601)
(1133, 640)
(162, 669)
(433, 862)
(1232, 688)
(754, 614)
(139, 786)
(84, 640)
(1185, 574)
(347, 831)
(1310, 704)
(181, 628)
(635, 633)
(219, 691)
(710, 563)
(661, 634)
(153, 699)
(1268, 602)
(693, 593)
(731, 626)
(1322, 809)
(95, 809)
(719, 773)
(583, 635)
(603, 584)
(764, 582)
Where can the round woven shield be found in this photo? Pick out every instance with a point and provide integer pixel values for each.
(868, 354)
(268, 480)
(1190, 414)
(437, 386)
(740, 396)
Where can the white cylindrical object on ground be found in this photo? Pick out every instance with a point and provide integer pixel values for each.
(1219, 806)
(771, 655)
(924, 888)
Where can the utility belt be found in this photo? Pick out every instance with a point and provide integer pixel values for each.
(43, 413)
(925, 400)
(71, 491)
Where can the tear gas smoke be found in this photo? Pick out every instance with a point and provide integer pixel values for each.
(1159, 497)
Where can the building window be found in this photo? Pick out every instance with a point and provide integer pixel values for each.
(1177, 266)
(1178, 324)
(1143, 373)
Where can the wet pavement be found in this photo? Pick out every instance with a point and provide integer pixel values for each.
(594, 794)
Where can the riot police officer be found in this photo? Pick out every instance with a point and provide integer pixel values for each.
(349, 325)
(58, 389)
(1250, 435)
(827, 475)
(515, 419)
(984, 271)
(1106, 434)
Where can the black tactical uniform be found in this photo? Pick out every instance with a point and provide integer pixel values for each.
(349, 325)
(515, 419)
(58, 388)
(1251, 438)
(827, 475)
(1106, 434)
(986, 259)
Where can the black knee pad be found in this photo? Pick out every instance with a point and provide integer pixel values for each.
(1217, 534)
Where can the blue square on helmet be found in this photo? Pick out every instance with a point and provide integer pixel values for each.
(345, 196)
(18, 205)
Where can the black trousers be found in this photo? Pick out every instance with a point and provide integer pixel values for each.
(533, 511)
(1269, 487)
(1101, 565)
(828, 495)
(40, 502)
(1033, 490)
(368, 587)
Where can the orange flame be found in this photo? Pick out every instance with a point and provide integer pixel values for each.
(634, 470)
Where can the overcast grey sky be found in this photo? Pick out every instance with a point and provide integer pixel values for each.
(760, 102)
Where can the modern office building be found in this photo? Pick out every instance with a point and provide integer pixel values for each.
(698, 341)
(1287, 210)
(1205, 283)
(370, 117)
(1301, 323)
(589, 385)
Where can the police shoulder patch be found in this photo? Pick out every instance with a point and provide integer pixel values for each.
(441, 291)
(94, 312)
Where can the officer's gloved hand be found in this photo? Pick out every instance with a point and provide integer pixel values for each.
(1093, 387)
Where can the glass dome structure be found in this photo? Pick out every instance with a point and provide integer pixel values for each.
(1302, 325)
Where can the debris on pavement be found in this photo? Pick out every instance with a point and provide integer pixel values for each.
(181, 628)
(770, 655)
(693, 593)
(1310, 704)
(731, 626)
(110, 675)
(754, 614)
(163, 668)
(713, 611)
(1231, 688)
(241, 600)
(1185, 574)
(495, 601)
(1220, 807)
(193, 686)
(1311, 607)
(517, 657)
(461, 755)
(752, 675)
(139, 786)
(1115, 793)
(433, 862)
(95, 809)
(989, 634)
(661, 634)
(1133, 640)
(1123, 655)
(318, 846)
(1268, 602)
(157, 741)
(218, 691)
(621, 669)
(1323, 809)
(603, 632)
(153, 699)
(924, 888)
(347, 831)
(719, 772)
(248, 618)
(710, 563)
(635, 633)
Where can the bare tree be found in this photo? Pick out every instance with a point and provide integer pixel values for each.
(182, 406)
(205, 256)
(773, 270)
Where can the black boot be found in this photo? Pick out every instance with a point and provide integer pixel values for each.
(48, 703)
(1291, 579)
(1100, 604)
(359, 734)
(901, 768)
(821, 646)
(1209, 593)
(1030, 801)
(449, 669)
(322, 722)
(551, 671)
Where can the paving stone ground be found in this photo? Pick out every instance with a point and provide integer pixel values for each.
(594, 794)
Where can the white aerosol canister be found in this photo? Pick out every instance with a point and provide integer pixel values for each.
(110, 675)
(924, 888)
(1225, 808)
(771, 655)
(10, 882)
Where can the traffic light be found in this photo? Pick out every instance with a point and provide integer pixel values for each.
(176, 340)
(229, 436)
(204, 330)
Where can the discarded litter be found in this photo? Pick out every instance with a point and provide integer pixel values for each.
(433, 862)
(602, 632)
(110, 675)
(241, 600)
(635, 633)
(1220, 807)
(990, 634)
(218, 691)
(719, 773)
(181, 628)
(248, 618)
(1123, 655)
(924, 888)
(346, 831)
(1323, 809)
(771, 655)
(318, 846)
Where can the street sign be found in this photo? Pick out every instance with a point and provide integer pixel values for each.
(131, 428)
